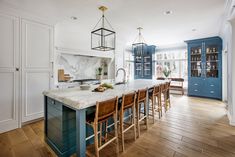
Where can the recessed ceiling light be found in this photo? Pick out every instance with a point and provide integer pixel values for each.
(194, 30)
(73, 17)
(168, 12)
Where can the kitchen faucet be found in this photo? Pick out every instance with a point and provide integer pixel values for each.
(124, 71)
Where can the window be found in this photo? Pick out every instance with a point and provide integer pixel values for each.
(172, 60)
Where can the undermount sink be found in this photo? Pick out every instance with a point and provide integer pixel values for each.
(119, 83)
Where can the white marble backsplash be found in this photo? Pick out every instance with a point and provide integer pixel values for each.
(80, 67)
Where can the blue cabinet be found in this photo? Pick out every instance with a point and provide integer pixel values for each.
(143, 61)
(205, 67)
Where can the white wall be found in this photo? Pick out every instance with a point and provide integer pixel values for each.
(70, 35)
(228, 36)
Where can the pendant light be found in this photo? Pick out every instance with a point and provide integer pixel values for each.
(139, 44)
(102, 38)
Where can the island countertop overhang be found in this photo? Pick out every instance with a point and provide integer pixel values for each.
(78, 99)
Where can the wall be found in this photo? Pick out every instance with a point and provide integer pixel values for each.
(80, 67)
(70, 35)
(226, 33)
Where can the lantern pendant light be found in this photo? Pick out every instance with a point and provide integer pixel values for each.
(102, 38)
(139, 43)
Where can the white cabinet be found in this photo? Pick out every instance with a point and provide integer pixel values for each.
(37, 50)
(9, 73)
(26, 53)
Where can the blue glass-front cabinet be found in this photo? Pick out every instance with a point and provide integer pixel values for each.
(205, 67)
(143, 61)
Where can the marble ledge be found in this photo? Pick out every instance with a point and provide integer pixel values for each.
(78, 99)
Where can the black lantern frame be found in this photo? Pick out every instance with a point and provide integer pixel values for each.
(139, 44)
(103, 39)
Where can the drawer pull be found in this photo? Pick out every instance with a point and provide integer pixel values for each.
(212, 92)
(195, 90)
(212, 85)
(195, 84)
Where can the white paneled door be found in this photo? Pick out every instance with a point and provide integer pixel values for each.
(9, 73)
(37, 48)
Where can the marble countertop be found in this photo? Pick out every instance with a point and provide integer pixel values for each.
(80, 99)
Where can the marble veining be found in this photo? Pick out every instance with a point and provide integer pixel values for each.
(79, 99)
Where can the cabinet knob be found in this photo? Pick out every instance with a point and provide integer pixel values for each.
(17, 69)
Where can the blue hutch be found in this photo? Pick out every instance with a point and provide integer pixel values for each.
(205, 67)
(143, 61)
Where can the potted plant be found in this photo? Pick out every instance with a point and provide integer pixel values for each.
(99, 72)
(166, 71)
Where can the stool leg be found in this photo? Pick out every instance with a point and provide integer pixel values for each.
(116, 132)
(106, 131)
(146, 117)
(137, 117)
(121, 129)
(153, 104)
(95, 127)
(100, 141)
(133, 120)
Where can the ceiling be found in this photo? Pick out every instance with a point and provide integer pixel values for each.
(126, 15)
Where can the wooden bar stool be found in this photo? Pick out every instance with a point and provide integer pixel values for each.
(163, 96)
(104, 111)
(128, 103)
(141, 99)
(165, 91)
(168, 94)
(155, 106)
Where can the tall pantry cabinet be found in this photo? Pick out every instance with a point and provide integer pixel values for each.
(26, 49)
(205, 67)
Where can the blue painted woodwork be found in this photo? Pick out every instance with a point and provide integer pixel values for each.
(143, 61)
(205, 67)
(66, 129)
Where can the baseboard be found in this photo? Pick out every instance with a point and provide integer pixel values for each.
(231, 121)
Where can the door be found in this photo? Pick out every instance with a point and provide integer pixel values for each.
(195, 69)
(37, 48)
(9, 73)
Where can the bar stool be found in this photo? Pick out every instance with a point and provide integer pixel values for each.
(141, 99)
(165, 91)
(155, 106)
(128, 103)
(168, 94)
(163, 95)
(104, 110)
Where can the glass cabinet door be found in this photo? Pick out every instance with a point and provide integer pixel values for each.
(212, 61)
(138, 65)
(147, 65)
(196, 61)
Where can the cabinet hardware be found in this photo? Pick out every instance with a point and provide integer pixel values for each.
(195, 90)
(17, 69)
(212, 85)
(212, 92)
(195, 84)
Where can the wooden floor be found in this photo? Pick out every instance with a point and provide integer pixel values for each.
(193, 127)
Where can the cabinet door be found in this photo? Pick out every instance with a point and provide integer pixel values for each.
(147, 63)
(195, 60)
(212, 59)
(9, 73)
(37, 48)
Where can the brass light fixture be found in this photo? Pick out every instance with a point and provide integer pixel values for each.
(102, 38)
(139, 44)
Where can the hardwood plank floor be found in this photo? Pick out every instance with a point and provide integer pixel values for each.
(193, 127)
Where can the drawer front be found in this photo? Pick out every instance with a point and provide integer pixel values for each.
(195, 88)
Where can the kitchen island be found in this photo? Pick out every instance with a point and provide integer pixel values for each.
(65, 114)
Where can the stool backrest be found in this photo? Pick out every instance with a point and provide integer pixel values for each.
(142, 94)
(156, 90)
(106, 109)
(163, 87)
(128, 100)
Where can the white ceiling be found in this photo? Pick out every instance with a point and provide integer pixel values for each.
(126, 15)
